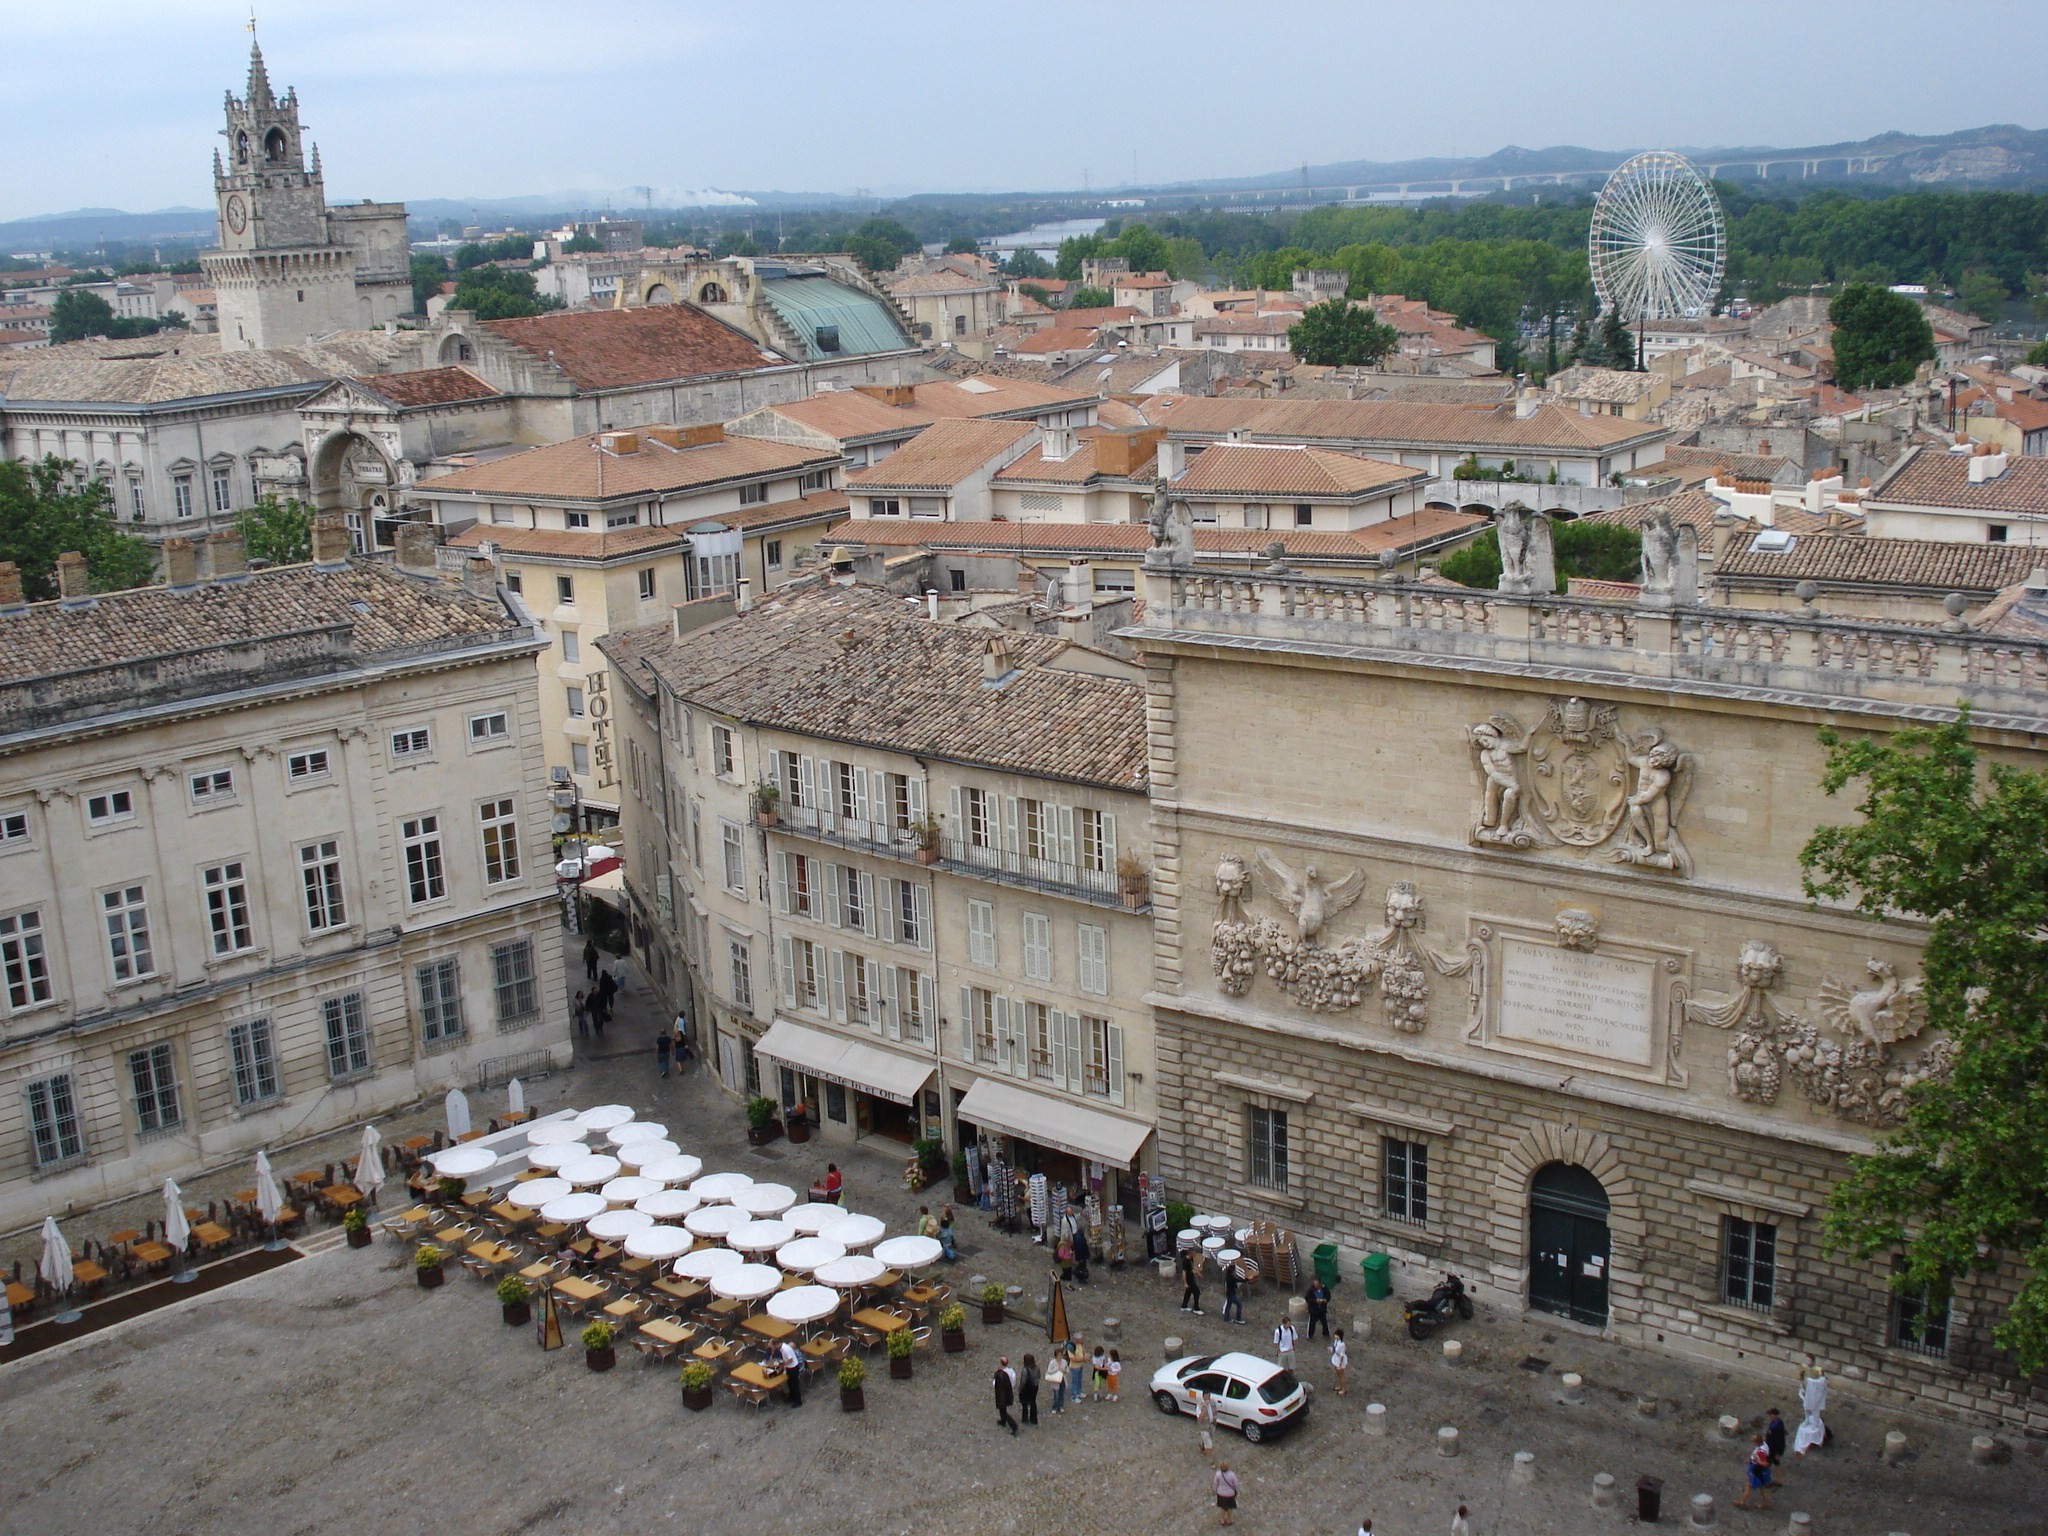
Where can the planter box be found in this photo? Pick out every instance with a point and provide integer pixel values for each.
(764, 818)
(601, 1359)
(991, 1313)
(927, 856)
(953, 1340)
(766, 1134)
(697, 1399)
(853, 1399)
(517, 1313)
(362, 1238)
(430, 1277)
(899, 1370)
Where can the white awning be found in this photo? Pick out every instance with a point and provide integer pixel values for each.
(884, 1073)
(608, 887)
(1057, 1123)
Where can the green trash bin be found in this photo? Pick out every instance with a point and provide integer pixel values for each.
(1377, 1269)
(1326, 1264)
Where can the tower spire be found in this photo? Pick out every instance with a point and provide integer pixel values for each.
(259, 76)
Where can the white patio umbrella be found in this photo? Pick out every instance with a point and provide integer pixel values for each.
(658, 1242)
(705, 1263)
(462, 1162)
(764, 1199)
(804, 1304)
(177, 1230)
(668, 1204)
(555, 1154)
(813, 1218)
(457, 1104)
(747, 1282)
(515, 1096)
(590, 1170)
(636, 1130)
(718, 1188)
(851, 1272)
(55, 1267)
(675, 1170)
(714, 1220)
(554, 1133)
(760, 1236)
(629, 1189)
(574, 1208)
(269, 1198)
(908, 1252)
(656, 1149)
(370, 1164)
(532, 1194)
(604, 1117)
(617, 1226)
(855, 1231)
(802, 1255)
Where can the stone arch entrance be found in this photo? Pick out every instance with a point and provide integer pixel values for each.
(1514, 1249)
(711, 293)
(349, 474)
(659, 293)
(1570, 1247)
(455, 348)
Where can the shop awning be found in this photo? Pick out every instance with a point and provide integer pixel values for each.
(870, 1068)
(1055, 1123)
(609, 886)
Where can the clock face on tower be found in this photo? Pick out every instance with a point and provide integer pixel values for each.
(236, 213)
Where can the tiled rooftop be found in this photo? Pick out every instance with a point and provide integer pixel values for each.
(1267, 469)
(1927, 477)
(578, 469)
(1941, 564)
(617, 348)
(942, 455)
(1405, 423)
(429, 386)
(178, 366)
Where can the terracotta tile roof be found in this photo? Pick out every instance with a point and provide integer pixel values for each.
(1078, 468)
(578, 544)
(1694, 507)
(1246, 325)
(2023, 411)
(578, 469)
(943, 455)
(1608, 591)
(1422, 527)
(1089, 319)
(1058, 339)
(774, 514)
(1142, 280)
(991, 394)
(179, 366)
(1926, 477)
(387, 613)
(1266, 469)
(429, 386)
(1615, 385)
(852, 664)
(616, 348)
(1697, 465)
(849, 416)
(942, 281)
(1405, 423)
(1943, 565)
(2019, 612)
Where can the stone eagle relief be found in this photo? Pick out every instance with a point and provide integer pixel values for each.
(1578, 781)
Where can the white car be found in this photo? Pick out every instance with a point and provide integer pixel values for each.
(1254, 1396)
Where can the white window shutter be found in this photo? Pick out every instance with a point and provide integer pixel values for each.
(1013, 838)
(915, 797)
(885, 910)
(830, 880)
(806, 782)
(967, 1023)
(1113, 1057)
(1076, 1048)
(781, 881)
(1108, 843)
(828, 794)
(838, 976)
(785, 971)
(892, 1025)
(928, 1002)
(1002, 1006)
(867, 904)
(1066, 848)
(774, 774)
(959, 833)
(861, 807)
(921, 896)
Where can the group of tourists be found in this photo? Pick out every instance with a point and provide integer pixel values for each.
(593, 1008)
(1767, 1450)
(1071, 1369)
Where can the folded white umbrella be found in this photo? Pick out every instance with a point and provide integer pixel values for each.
(515, 1096)
(269, 1199)
(55, 1265)
(746, 1282)
(370, 1162)
(458, 1114)
(177, 1230)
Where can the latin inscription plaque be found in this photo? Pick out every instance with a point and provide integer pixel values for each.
(1599, 1005)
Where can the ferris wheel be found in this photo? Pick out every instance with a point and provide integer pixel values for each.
(1658, 244)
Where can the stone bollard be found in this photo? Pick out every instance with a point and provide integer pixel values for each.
(1986, 1451)
(1604, 1493)
(1728, 1426)
(1702, 1510)
(1525, 1467)
(1013, 1296)
(975, 1283)
(1646, 1405)
(1174, 1344)
(1113, 1330)
(1361, 1327)
(1447, 1441)
(1454, 1352)
(1375, 1418)
(1574, 1386)
(1297, 1313)
(1801, 1524)
(1894, 1447)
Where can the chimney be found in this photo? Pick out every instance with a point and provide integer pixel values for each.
(1058, 446)
(840, 559)
(416, 545)
(1079, 584)
(1986, 465)
(743, 597)
(74, 583)
(181, 564)
(1526, 406)
(619, 443)
(996, 665)
(227, 558)
(890, 394)
(330, 541)
(931, 604)
(10, 588)
(480, 576)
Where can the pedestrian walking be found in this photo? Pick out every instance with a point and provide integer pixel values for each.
(1056, 1368)
(1233, 1294)
(1774, 1437)
(1283, 1342)
(1340, 1363)
(607, 988)
(1098, 1365)
(620, 974)
(682, 1034)
(1205, 1421)
(927, 1224)
(946, 1240)
(1190, 1285)
(600, 1012)
(1080, 1254)
(1759, 1476)
(1318, 1298)
(590, 961)
(1027, 1391)
(1461, 1523)
(582, 1016)
(661, 1050)
(1077, 1369)
(1226, 1492)
(1116, 1375)
(1006, 1394)
(1365, 1526)
(791, 1364)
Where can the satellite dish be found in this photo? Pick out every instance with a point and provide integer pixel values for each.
(561, 822)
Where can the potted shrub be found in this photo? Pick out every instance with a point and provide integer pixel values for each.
(514, 1300)
(426, 1266)
(1133, 879)
(597, 1346)
(991, 1304)
(766, 798)
(931, 1158)
(924, 840)
(853, 1375)
(761, 1123)
(953, 1328)
(450, 1191)
(798, 1125)
(697, 1385)
(963, 1192)
(357, 1226)
(901, 1343)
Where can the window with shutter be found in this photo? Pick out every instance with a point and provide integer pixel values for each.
(837, 971)
(781, 878)
(1092, 959)
(806, 783)
(921, 902)
(1013, 837)
(1068, 868)
(863, 893)
(927, 1007)
(785, 971)
(1037, 946)
(834, 886)
(1002, 1034)
(889, 1015)
(886, 909)
(1072, 1051)
(1040, 1019)
(863, 807)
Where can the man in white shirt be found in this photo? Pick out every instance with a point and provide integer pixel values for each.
(1283, 1343)
(682, 1046)
(791, 1364)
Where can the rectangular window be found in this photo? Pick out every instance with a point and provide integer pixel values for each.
(1749, 1262)
(223, 490)
(1092, 958)
(981, 934)
(1091, 842)
(54, 1131)
(803, 894)
(805, 954)
(735, 856)
(981, 821)
(501, 840)
(425, 879)
(114, 805)
(722, 761)
(300, 766)
(227, 908)
(252, 1053)
(24, 960)
(647, 584)
(815, 480)
(181, 495)
(320, 873)
(1036, 822)
(13, 827)
(152, 1074)
(138, 504)
(884, 507)
(126, 914)
(754, 495)
(512, 966)
(978, 1022)
(575, 703)
(913, 902)
(572, 646)
(348, 1034)
(622, 519)
(1266, 1147)
(408, 745)
(1304, 515)
(213, 787)
(565, 590)
(579, 758)
(774, 554)
(739, 959)
(1037, 947)
(910, 1006)
(1919, 1320)
(572, 519)
(852, 888)
(901, 813)
(857, 1001)
(1404, 1179)
(440, 984)
(489, 730)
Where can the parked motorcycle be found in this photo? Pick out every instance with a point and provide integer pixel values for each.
(1448, 1297)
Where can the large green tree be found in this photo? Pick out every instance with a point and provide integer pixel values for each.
(879, 244)
(78, 314)
(495, 293)
(278, 531)
(1947, 840)
(428, 274)
(1339, 334)
(44, 512)
(1881, 338)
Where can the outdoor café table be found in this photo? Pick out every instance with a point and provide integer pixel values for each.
(86, 1273)
(604, 1117)
(636, 1130)
(480, 1197)
(881, 1322)
(128, 1235)
(492, 1253)
(720, 1187)
(516, 1116)
(342, 1196)
(681, 1292)
(655, 1242)
(153, 1253)
(625, 1309)
(512, 1215)
(823, 1347)
(454, 1237)
(773, 1329)
(663, 1331)
(629, 1187)
(717, 1351)
(554, 1154)
(410, 1144)
(617, 1226)
(754, 1376)
(922, 1295)
(19, 1296)
(578, 1290)
(679, 1169)
(725, 1309)
(537, 1272)
(813, 1218)
(457, 1162)
(535, 1193)
(638, 1154)
(212, 1234)
(590, 1171)
(668, 1204)
(554, 1133)
(578, 1207)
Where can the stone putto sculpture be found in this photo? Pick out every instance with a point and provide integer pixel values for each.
(1173, 531)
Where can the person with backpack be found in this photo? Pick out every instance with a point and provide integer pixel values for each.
(1190, 1284)
(1759, 1476)
(1027, 1391)
(1225, 1483)
(1283, 1342)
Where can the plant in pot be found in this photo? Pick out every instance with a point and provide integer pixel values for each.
(924, 839)
(597, 1346)
(761, 1124)
(992, 1303)
(963, 1192)
(853, 1375)
(426, 1266)
(1133, 879)
(515, 1301)
(953, 1328)
(901, 1343)
(357, 1226)
(450, 1191)
(697, 1385)
(766, 798)
(931, 1157)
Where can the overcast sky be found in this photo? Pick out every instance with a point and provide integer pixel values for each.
(115, 103)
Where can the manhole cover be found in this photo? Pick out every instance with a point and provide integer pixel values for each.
(1535, 1363)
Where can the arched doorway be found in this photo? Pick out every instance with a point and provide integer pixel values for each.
(350, 474)
(711, 293)
(1569, 1244)
(659, 293)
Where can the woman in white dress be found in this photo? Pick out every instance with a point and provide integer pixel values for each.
(1813, 1398)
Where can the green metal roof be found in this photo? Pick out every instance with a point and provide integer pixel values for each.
(865, 324)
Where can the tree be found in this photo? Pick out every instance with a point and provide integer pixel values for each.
(963, 245)
(1036, 291)
(1339, 334)
(1074, 250)
(278, 531)
(1089, 298)
(879, 244)
(1957, 1186)
(2037, 354)
(44, 512)
(497, 294)
(1593, 551)
(1024, 263)
(1617, 343)
(1880, 339)
(428, 274)
(78, 314)
(581, 245)
(1981, 293)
